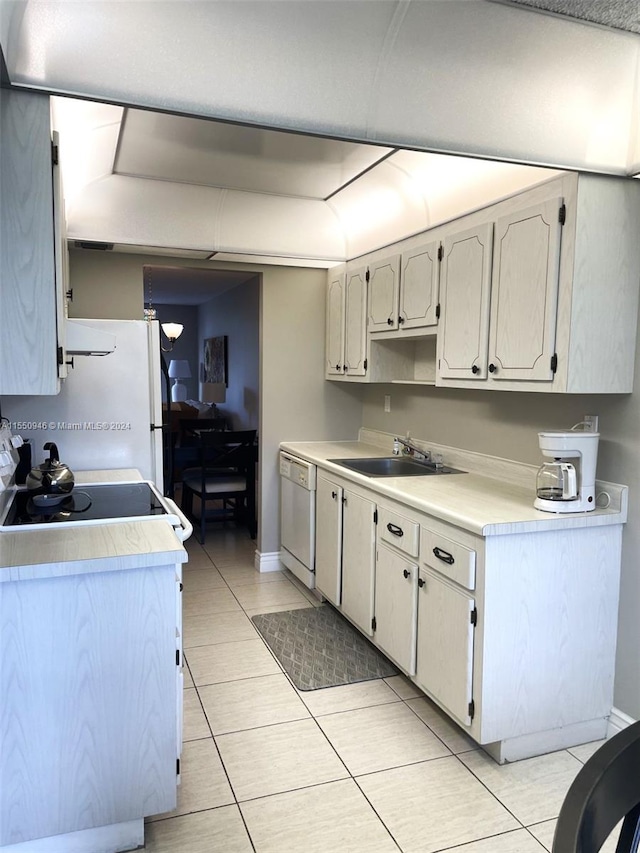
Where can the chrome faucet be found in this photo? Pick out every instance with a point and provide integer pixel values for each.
(409, 449)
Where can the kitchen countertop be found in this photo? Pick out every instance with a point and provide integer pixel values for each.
(475, 502)
(115, 546)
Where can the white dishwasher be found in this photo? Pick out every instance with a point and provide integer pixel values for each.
(298, 517)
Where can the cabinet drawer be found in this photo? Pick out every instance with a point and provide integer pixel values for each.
(399, 531)
(451, 559)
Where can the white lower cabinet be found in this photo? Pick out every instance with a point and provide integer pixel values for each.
(513, 635)
(395, 607)
(91, 685)
(345, 550)
(446, 624)
(329, 539)
(358, 559)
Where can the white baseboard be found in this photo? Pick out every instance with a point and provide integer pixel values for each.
(103, 839)
(618, 721)
(268, 561)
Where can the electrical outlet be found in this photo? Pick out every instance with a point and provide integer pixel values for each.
(387, 402)
(590, 423)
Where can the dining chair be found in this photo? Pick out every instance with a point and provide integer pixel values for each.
(605, 792)
(225, 474)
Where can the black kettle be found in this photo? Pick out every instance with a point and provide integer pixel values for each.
(51, 481)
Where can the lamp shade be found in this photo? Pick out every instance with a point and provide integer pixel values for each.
(214, 392)
(172, 331)
(179, 369)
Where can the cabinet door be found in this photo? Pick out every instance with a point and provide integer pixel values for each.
(358, 560)
(61, 253)
(29, 343)
(334, 351)
(329, 539)
(355, 343)
(464, 304)
(445, 644)
(524, 293)
(420, 277)
(384, 287)
(396, 607)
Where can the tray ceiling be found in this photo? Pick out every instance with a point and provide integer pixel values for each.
(209, 153)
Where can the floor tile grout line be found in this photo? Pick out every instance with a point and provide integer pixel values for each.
(313, 716)
(487, 788)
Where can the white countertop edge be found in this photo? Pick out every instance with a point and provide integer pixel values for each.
(92, 548)
(493, 507)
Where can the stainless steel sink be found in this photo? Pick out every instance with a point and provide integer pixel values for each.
(393, 466)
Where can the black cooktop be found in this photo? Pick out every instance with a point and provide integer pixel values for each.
(87, 503)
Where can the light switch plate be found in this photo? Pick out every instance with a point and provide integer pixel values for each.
(387, 402)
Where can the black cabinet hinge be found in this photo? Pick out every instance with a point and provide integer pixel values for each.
(374, 624)
(473, 616)
(438, 311)
(472, 709)
(375, 516)
(366, 363)
(177, 766)
(440, 252)
(554, 362)
(54, 154)
(177, 657)
(60, 355)
(366, 276)
(562, 214)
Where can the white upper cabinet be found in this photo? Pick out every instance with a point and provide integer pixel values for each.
(334, 350)
(464, 295)
(346, 339)
(355, 323)
(384, 293)
(537, 292)
(403, 290)
(419, 280)
(32, 259)
(564, 276)
(524, 292)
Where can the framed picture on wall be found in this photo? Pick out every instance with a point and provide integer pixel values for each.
(215, 367)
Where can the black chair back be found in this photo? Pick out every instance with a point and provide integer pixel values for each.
(606, 790)
(228, 449)
(190, 427)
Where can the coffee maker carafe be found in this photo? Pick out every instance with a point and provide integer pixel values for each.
(568, 483)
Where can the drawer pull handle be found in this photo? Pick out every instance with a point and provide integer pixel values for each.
(334, 495)
(421, 582)
(445, 556)
(406, 573)
(393, 528)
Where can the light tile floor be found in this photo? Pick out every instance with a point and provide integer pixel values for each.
(373, 767)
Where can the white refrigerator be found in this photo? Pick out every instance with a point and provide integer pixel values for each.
(108, 413)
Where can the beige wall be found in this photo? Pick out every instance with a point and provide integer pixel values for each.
(505, 424)
(107, 285)
(294, 401)
(236, 314)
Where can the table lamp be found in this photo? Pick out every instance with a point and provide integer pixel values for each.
(179, 369)
(213, 392)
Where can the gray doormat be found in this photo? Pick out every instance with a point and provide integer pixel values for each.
(318, 648)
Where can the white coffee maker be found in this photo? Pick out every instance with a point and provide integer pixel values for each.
(568, 483)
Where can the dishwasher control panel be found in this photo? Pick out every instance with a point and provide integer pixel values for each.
(298, 471)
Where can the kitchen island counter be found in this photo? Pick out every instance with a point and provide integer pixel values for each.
(473, 501)
(31, 554)
(27, 554)
(91, 673)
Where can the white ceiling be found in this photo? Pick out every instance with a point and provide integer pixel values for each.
(209, 153)
(489, 79)
(140, 178)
